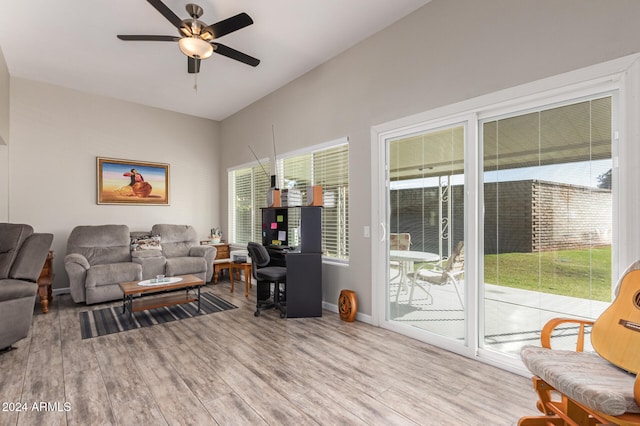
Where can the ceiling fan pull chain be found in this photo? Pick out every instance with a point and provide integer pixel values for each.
(195, 82)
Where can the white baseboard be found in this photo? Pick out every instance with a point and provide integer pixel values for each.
(359, 317)
(60, 291)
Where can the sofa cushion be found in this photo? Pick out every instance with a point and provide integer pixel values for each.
(152, 262)
(16, 289)
(105, 255)
(584, 377)
(12, 235)
(185, 265)
(176, 239)
(101, 244)
(31, 257)
(113, 273)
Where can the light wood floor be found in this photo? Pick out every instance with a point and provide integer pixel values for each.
(230, 368)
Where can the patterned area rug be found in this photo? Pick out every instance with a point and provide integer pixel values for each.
(111, 320)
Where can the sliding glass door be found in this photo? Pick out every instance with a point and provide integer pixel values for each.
(426, 226)
(548, 223)
(495, 223)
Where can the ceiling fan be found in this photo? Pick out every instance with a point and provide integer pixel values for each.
(196, 39)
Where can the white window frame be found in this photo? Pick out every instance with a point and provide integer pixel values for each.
(258, 167)
(621, 76)
(280, 179)
(344, 234)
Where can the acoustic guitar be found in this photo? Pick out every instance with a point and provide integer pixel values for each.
(616, 333)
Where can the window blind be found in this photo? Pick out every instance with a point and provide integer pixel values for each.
(331, 170)
(247, 192)
(327, 166)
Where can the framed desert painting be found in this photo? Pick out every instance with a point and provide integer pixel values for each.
(132, 182)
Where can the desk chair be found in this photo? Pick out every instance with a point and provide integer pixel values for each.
(265, 275)
(594, 388)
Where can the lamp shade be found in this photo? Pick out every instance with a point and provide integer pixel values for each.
(195, 47)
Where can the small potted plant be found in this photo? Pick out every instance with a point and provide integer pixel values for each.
(216, 235)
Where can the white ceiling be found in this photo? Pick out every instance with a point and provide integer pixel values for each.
(73, 44)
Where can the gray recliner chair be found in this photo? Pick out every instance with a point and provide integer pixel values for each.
(98, 259)
(183, 252)
(22, 256)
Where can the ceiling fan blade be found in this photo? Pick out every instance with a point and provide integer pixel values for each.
(234, 54)
(229, 25)
(166, 12)
(193, 65)
(147, 38)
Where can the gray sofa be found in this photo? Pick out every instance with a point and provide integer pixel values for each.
(22, 256)
(183, 252)
(100, 257)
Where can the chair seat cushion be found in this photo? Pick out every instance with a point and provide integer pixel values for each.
(113, 273)
(16, 289)
(185, 265)
(430, 275)
(584, 377)
(272, 273)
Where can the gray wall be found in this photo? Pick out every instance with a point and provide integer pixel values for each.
(4, 100)
(56, 135)
(4, 139)
(447, 51)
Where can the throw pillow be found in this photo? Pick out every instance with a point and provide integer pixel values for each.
(147, 242)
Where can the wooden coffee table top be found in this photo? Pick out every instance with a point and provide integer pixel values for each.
(132, 287)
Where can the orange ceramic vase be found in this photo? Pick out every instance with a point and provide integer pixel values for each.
(348, 305)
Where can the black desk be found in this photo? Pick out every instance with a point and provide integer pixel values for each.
(277, 255)
(304, 281)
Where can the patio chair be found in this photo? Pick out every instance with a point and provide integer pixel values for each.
(591, 388)
(440, 274)
(398, 241)
(401, 241)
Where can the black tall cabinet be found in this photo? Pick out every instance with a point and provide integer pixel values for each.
(298, 246)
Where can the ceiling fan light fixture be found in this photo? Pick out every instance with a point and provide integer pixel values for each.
(195, 47)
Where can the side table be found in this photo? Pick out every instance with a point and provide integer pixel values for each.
(44, 283)
(220, 263)
(245, 267)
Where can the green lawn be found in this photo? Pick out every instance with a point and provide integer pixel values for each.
(564, 272)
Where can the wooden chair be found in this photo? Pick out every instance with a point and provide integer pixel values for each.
(591, 388)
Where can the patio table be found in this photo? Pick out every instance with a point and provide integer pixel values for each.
(406, 258)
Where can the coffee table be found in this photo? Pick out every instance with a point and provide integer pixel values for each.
(181, 282)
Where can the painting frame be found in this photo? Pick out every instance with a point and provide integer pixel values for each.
(131, 182)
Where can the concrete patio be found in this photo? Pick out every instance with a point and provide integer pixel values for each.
(512, 317)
